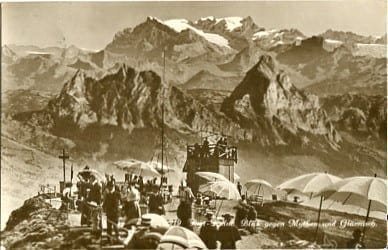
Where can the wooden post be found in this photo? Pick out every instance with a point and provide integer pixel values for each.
(64, 157)
(319, 217)
(366, 219)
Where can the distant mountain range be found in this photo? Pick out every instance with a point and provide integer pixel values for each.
(264, 109)
(262, 87)
(226, 48)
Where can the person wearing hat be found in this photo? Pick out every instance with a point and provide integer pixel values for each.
(228, 233)
(208, 232)
(145, 237)
(111, 206)
(356, 242)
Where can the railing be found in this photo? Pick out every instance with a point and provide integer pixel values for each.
(212, 151)
(47, 189)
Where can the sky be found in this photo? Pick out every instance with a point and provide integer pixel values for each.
(92, 25)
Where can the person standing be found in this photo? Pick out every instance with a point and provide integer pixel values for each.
(140, 184)
(228, 233)
(239, 187)
(132, 208)
(94, 202)
(356, 242)
(111, 206)
(156, 204)
(205, 148)
(208, 232)
(184, 211)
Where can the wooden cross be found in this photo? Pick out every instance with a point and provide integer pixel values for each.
(64, 156)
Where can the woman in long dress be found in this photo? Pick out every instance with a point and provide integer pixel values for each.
(131, 207)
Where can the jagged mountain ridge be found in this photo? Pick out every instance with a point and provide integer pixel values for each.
(131, 99)
(350, 37)
(358, 113)
(237, 30)
(128, 99)
(335, 72)
(153, 36)
(268, 101)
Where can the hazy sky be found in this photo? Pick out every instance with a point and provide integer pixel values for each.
(93, 25)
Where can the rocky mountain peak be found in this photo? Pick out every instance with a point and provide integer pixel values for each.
(131, 99)
(267, 66)
(268, 100)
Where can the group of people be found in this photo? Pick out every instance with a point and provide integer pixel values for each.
(116, 201)
(245, 212)
(221, 150)
(144, 187)
(227, 234)
(89, 201)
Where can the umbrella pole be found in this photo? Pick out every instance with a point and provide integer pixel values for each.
(219, 209)
(366, 219)
(319, 217)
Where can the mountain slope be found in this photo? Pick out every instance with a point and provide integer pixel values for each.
(269, 102)
(335, 72)
(206, 80)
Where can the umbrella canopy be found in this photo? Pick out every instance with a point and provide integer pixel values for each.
(222, 188)
(137, 168)
(236, 177)
(182, 237)
(87, 172)
(366, 192)
(355, 190)
(158, 167)
(309, 183)
(256, 185)
(211, 176)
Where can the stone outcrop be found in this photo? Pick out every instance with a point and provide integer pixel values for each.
(267, 101)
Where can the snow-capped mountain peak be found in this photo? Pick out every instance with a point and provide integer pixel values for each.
(231, 23)
(179, 25)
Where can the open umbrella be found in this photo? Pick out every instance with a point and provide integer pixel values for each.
(159, 168)
(86, 172)
(137, 168)
(224, 189)
(211, 176)
(258, 184)
(311, 183)
(366, 192)
(183, 237)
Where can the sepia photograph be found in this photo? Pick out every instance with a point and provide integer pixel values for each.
(194, 124)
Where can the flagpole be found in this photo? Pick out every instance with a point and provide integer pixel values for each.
(164, 80)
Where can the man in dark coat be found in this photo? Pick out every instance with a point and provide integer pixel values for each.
(241, 214)
(239, 187)
(111, 207)
(94, 202)
(208, 232)
(356, 242)
(155, 204)
(228, 233)
(95, 191)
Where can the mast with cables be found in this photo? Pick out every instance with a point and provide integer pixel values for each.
(164, 81)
